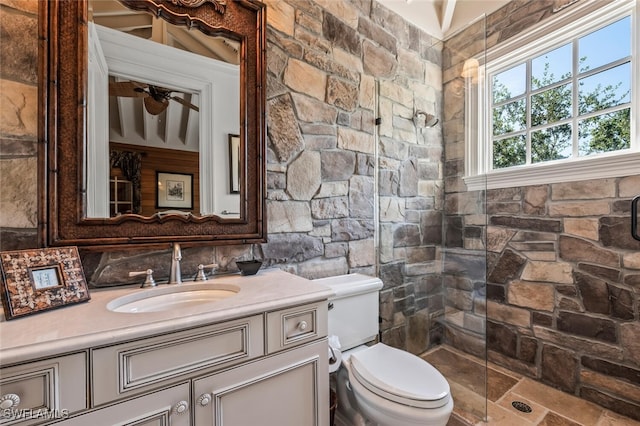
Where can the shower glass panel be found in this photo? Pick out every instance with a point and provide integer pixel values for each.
(431, 231)
(464, 245)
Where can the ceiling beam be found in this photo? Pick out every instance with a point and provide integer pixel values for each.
(448, 8)
(159, 31)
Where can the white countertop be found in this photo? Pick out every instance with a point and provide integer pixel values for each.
(89, 324)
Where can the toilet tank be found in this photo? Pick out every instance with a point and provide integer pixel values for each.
(353, 309)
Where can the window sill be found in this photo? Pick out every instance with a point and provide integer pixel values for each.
(601, 167)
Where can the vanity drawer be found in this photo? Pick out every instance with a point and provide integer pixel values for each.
(294, 326)
(138, 366)
(48, 389)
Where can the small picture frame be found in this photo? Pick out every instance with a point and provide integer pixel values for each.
(174, 190)
(38, 280)
(234, 164)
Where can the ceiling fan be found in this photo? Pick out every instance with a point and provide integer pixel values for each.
(155, 98)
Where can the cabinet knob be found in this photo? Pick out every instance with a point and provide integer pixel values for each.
(181, 407)
(204, 399)
(302, 325)
(10, 400)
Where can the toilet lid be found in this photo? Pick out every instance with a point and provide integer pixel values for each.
(400, 376)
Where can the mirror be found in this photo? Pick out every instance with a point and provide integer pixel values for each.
(149, 82)
(154, 122)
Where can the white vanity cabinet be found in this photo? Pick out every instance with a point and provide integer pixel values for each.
(257, 358)
(267, 369)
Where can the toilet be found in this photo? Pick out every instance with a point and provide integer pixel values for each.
(378, 384)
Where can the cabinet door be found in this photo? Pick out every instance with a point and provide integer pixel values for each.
(170, 406)
(291, 388)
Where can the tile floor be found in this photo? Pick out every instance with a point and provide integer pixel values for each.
(549, 407)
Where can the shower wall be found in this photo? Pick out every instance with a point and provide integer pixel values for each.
(346, 195)
(562, 274)
(563, 288)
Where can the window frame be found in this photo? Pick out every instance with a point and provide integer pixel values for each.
(532, 43)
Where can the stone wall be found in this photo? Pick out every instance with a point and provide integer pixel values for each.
(562, 274)
(18, 123)
(326, 60)
(563, 285)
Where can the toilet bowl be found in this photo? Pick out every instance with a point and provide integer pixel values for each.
(377, 384)
(395, 388)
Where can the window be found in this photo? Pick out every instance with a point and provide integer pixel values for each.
(121, 196)
(558, 103)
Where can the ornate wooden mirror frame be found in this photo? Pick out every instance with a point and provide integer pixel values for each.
(63, 74)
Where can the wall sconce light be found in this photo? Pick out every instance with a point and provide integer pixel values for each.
(470, 69)
(423, 120)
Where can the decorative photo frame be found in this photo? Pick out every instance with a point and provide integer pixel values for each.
(234, 164)
(174, 190)
(38, 280)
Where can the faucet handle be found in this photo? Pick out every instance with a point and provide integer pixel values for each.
(201, 275)
(148, 281)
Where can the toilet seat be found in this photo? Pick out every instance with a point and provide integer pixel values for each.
(400, 376)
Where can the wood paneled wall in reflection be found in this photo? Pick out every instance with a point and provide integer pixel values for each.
(163, 160)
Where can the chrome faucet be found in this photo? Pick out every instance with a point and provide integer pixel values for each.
(174, 273)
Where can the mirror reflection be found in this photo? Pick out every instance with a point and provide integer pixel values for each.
(163, 117)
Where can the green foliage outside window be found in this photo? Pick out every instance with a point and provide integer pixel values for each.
(601, 133)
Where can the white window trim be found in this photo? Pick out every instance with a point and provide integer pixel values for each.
(477, 155)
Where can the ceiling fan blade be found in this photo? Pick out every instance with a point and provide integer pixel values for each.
(155, 107)
(185, 103)
(129, 89)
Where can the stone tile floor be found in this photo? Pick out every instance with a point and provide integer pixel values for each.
(550, 407)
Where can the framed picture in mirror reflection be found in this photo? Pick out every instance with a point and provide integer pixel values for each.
(234, 164)
(174, 190)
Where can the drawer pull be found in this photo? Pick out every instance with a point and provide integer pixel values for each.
(302, 325)
(8, 401)
(204, 399)
(181, 407)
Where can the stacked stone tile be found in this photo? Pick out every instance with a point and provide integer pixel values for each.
(325, 60)
(18, 123)
(562, 288)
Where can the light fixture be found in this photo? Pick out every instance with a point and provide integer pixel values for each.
(470, 69)
(423, 120)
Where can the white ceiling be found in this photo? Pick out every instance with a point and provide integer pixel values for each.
(442, 18)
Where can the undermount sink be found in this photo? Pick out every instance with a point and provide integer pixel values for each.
(172, 297)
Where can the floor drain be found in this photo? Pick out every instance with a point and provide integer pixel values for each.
(521, 406)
